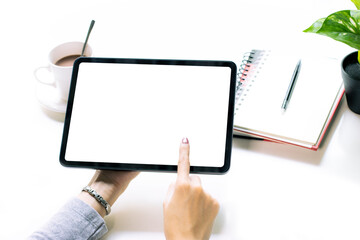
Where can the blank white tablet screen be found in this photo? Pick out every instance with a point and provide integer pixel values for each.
(139, 113)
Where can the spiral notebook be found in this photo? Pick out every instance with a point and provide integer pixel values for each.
(263, 80)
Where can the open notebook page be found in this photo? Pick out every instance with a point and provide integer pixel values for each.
(315, 91)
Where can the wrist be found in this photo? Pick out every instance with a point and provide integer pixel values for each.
(99, 198)
(107, 191)
(92, 202)
(178, 237)
(109, 185)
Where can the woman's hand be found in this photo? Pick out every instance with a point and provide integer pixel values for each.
(189, 212)
(110, 185)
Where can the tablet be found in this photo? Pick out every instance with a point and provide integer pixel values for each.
(131, 114)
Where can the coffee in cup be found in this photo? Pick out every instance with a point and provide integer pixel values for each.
(67, 61)
(61, 60)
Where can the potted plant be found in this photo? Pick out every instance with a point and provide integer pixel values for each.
(344, 26)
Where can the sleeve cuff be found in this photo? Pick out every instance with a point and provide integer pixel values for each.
(75, 220)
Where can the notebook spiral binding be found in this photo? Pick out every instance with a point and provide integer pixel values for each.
(242, 75)
(248, 69)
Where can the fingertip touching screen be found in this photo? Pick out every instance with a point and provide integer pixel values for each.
(131, 114)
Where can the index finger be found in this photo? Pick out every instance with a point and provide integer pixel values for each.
(184, 162)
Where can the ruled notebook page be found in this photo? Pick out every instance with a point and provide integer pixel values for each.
(259, 109)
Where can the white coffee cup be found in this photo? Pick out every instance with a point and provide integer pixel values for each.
(66, 53)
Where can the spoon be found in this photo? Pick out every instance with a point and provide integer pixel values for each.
(87, 37)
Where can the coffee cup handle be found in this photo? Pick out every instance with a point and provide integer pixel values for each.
(49, 81)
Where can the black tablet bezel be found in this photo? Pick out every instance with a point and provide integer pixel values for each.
(150, 167)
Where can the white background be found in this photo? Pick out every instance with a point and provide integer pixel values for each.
(272, 191)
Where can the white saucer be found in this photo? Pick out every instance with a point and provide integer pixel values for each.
(50, 99)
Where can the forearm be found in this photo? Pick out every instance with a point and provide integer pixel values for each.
(75, 220)
(82, 217)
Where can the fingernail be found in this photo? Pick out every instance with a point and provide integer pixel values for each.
(185, 140)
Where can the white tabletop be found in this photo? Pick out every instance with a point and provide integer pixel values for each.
(272, 191)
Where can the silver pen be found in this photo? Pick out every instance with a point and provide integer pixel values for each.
(291, 86)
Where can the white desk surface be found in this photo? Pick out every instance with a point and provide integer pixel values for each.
(272, 191)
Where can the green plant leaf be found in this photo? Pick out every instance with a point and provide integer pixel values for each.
(357, 3)
(316, 26)
(343, 26)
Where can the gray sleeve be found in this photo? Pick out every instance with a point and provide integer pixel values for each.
(76, 220)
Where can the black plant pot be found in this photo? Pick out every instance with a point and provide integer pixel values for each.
(350, 71)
